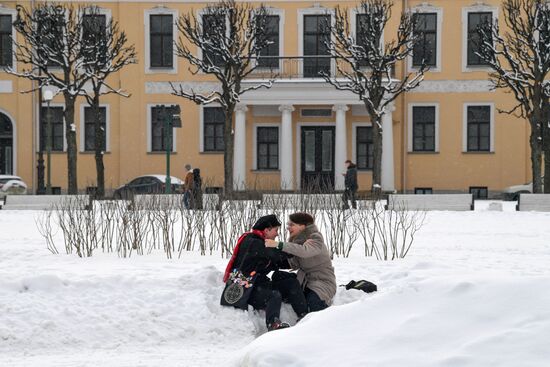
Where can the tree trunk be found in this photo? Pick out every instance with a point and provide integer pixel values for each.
(228, 139)
(546, 149)
(70, 135)
(99, 145)
(377, 154)
(536, 153)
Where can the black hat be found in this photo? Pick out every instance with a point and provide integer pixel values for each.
(301, 218)
(267, 221)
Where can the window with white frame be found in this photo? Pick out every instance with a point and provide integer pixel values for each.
(6, 47)
(362, 35)
(94, 27)
(316, 33)
(472, 17)
(49, 34)
(425, 50)
(53, 116)
(476, 20)
(159, 138)
(478, 127)
(160, 34)
(423, 191)
(269, 56)
(479, 192)
(214, 126)
(89, 128)
(423, 128)
(364, 147)
(161, 37)
(267, 141)
(214, 25)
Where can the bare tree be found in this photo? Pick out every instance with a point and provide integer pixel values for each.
(520, 63)
(106, 51)
(223, 41)
(51, 50)
(365, 65)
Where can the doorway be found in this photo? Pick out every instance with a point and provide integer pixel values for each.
(317, 158)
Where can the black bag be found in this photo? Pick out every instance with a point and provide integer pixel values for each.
(363, 285)
(238, 288)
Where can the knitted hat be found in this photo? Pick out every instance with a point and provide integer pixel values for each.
(301, 218)
(267, 221)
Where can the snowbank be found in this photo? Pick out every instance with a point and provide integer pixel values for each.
(474, 291)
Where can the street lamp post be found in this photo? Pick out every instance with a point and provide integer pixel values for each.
(171, 118)
(48, 96)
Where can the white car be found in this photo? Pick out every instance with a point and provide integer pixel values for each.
(12, 185)
(512, 192)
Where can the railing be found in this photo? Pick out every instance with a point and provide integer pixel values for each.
(300, 67)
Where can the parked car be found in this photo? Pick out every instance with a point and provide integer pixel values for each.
(148, 184)
(12, 185)
(512, 192)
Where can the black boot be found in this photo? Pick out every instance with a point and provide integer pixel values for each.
(277, 324)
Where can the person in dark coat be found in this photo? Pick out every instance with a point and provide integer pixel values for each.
(196, 189)
(251, 255)
(350, 184)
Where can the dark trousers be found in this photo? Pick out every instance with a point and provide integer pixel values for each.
(187, 199)
(349, 195)
(263, 297)
(314, 302)
(291, 291)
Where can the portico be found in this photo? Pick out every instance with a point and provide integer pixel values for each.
(303, 150)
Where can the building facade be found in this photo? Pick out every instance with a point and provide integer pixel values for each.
(445, 136)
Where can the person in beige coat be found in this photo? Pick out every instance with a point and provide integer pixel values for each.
(311, 258)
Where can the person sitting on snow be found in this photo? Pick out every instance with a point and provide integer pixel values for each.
(311, 258)
(253, 254)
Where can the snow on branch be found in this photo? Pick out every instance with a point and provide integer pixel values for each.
(364, 65)
(223, 40)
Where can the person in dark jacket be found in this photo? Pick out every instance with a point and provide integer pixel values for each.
(253, 256)
(350, 183)
(196, 189)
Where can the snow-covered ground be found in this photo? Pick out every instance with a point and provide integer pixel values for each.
(474, 291)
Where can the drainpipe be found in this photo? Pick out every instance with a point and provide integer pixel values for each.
(404, 122)
(33, 130)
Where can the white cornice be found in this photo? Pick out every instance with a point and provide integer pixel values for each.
(454, 86)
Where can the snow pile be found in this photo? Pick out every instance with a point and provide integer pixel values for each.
(474, 291)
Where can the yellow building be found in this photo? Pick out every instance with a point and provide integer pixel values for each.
(445, 136)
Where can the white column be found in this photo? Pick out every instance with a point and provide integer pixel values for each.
(388, 179)
(287, 178)
(340, 151)
(239, 149)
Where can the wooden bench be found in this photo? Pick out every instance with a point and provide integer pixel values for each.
(43, 202)
(454, 202)
(301, 201)
(534, 202)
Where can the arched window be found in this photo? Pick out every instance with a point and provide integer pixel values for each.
(6, 145)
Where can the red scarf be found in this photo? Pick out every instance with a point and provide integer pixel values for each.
(229, 267)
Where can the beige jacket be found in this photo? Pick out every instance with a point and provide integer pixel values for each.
(312, 259)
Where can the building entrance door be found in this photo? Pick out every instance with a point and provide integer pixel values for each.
(317, 153)
(6, 145)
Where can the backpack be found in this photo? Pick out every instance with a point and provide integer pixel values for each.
(363, 285)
